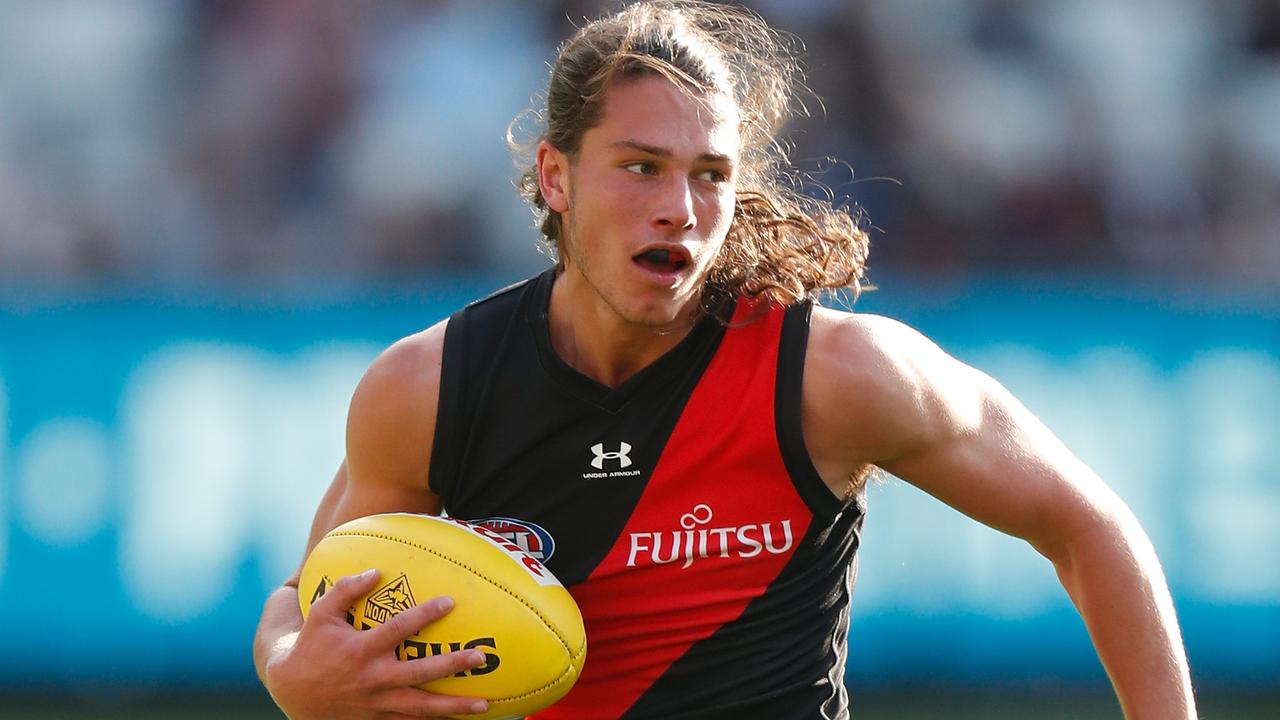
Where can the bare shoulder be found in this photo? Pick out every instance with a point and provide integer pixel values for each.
(411, 363)
(873, 387)
(870, 356)
(875, 342)
(391, 422)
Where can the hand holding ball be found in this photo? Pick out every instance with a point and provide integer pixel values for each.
(507, 605)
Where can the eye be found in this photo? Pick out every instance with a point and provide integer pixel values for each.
(712, 176)
(641, 167)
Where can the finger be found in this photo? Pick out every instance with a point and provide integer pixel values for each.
(418, 703)
(405, 624)
(433, 667)
(403, 716)
(338, 599)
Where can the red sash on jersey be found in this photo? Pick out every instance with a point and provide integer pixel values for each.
(716, 523)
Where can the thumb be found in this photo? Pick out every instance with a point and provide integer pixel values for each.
(338, 599)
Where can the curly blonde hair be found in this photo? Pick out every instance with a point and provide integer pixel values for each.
(781, 243)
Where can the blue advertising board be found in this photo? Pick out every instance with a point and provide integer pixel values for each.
(160, 459)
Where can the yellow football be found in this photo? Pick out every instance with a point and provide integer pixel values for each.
(507, 604)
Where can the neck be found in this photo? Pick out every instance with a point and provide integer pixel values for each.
(595, 340)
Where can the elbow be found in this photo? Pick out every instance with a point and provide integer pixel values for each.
(1101, 524)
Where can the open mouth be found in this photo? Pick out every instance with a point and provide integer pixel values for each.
(661, 261)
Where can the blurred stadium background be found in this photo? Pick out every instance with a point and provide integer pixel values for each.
(214, 214)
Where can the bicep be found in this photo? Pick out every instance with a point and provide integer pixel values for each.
(989, 457)
(346, 500)
(887, 396)
(390, 427)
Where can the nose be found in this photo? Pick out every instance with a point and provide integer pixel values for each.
(675, 209)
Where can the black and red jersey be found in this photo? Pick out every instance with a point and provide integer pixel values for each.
(712, 565)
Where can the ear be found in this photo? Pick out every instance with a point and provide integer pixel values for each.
(553, 176)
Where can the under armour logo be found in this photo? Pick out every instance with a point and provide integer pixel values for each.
(621, 456)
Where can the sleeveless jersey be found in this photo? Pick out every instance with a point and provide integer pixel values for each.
(712, 565)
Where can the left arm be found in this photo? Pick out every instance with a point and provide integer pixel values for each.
(958, 435)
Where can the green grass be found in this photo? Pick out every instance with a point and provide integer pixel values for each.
(1052, 706)
(866, 706)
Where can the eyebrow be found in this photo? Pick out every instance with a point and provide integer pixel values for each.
(665, 153)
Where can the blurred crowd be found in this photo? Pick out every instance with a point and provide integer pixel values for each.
(329, 141)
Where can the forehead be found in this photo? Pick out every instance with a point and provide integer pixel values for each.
(650, 109)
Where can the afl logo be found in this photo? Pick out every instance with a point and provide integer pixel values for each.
(529, 537)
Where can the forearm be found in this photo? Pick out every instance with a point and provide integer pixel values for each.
(1114, 578)
(281, 621)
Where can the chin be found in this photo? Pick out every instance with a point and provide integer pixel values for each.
(650, 317)
(658, 315)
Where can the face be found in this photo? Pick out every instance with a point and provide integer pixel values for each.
(647, 200)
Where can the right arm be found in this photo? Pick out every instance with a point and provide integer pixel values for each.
(324, 668)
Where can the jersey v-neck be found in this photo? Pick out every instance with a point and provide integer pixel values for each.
(696, 347)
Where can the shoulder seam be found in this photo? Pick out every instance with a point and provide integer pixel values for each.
(496, 294)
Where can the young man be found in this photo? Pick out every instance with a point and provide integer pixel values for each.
(671, 408)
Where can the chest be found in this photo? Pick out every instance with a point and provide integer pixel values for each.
(684, 469)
